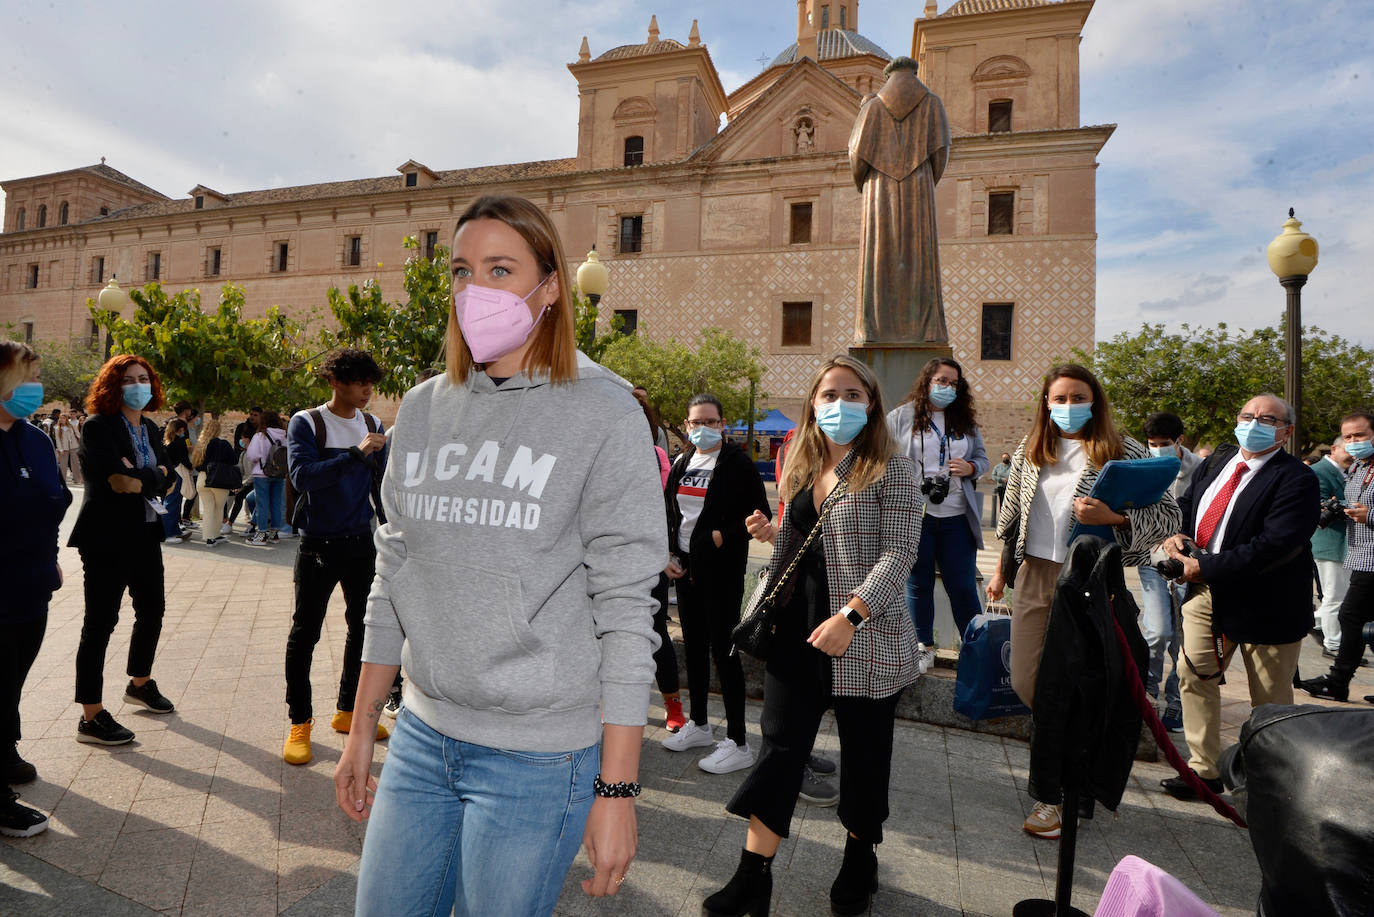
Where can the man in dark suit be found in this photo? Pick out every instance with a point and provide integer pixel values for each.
(1252, 512)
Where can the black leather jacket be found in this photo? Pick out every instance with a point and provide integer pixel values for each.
(1085, 725)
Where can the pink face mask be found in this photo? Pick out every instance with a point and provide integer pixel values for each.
(494, 322)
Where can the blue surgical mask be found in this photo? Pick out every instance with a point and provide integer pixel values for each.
(1163, 451)
(137, 395)
(942, 396)
(1071, 417)
(1359, 449)
(1255, 436)
(27, 398)
(704, 438)
(842, 420)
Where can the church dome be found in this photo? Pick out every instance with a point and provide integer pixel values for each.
(833, 44)
(973, 7)
(642, 50)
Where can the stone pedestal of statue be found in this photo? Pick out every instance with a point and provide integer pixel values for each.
(897, 365)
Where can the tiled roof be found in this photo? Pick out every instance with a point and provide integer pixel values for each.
(973, 7)
(644, 50)
(833, 44)
(389, 184)
(103, 171)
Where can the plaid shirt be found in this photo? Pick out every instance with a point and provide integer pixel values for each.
(870, 540)
(1359, 488)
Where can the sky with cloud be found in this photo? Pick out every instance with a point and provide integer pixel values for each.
(1228, 113)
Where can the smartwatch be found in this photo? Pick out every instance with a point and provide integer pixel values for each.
(854, 618)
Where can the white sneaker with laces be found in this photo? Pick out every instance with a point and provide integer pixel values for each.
(925, 658)
(727, 758)
(226, 529)
(690, 736)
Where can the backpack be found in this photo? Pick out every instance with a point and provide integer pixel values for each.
(274, 466)
(294, 498)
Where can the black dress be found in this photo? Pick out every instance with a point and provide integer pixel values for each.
(793, 659)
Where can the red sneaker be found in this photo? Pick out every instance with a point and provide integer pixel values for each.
(674, 719)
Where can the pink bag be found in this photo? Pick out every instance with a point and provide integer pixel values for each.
(1140, 889)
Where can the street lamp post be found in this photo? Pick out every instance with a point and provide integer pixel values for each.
(112, 299)
(1292, 256)
(593, 277)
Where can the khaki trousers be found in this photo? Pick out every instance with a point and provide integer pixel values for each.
(212, 501)
(1030, 618)
(1269, 669)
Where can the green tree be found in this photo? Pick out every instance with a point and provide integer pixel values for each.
(405, 338)
(673, 372)
(68, 370)
(216, 360)
(1205, 375)
(585, 314)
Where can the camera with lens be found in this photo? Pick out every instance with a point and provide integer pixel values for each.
(1333, 511)
(935, 489)
(1172, 568)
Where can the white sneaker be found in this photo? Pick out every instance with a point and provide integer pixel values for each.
(727, 758)
(925, 658)
(226, 529)
(690, 736)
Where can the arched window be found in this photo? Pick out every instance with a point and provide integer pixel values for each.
(62, 213)
(42, 215)
(634, 151)
(19, 220)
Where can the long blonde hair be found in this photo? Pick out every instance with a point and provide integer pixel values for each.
(208, 431)
(872, 447)
(554, 348)
(1102, 441)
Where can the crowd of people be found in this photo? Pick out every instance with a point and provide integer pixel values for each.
(519, 576)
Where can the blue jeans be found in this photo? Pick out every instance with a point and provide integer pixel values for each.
(475, 830)
(269, 496)
(171, 520)
(1157, 619)
(947, 543)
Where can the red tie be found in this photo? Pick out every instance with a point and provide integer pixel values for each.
(1212, 518)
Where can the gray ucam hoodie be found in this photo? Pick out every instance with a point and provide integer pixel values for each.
(524, 534)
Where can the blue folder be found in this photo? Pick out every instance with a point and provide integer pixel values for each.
(1128, 484)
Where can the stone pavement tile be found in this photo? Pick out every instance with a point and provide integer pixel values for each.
(177, 782)
(84, 815)
(994, 891)
(973, 745)
(140, 849)
(244, 803)
(77, 854)
(34, 888)
(193, 757)
(151, 815)
(327, 829)
(50, 748)
(920, 870)
(1221, 853)
(892, 904)
(228, 904)
(307, 867)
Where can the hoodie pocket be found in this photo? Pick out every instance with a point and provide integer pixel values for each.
(469, 639)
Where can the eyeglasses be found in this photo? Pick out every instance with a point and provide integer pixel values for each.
(1268, 420)
(696, 424)
(945, 380)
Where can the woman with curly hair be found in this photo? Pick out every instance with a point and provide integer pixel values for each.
(119, 535)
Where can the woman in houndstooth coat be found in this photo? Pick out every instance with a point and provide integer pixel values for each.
(844, 638)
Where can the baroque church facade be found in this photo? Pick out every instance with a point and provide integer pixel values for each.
(753, 227)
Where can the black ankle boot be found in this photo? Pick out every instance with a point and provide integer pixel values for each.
(748, 891)
(858, 878)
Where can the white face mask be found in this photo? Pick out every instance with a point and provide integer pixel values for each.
(1163, 451)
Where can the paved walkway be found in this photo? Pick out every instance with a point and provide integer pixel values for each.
(200, 816)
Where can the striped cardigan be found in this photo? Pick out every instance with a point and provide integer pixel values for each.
(1149, 524)
(870, 541)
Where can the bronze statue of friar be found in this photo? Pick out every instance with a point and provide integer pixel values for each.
(898, 150)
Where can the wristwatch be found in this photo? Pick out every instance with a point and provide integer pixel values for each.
(854, 618)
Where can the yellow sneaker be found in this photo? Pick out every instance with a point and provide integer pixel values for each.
(343, 721)
(297, 748)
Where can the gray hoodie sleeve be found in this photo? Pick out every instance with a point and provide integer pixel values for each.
(383, 638)
(626, 547)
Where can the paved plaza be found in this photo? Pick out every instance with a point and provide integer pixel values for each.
(200, 816)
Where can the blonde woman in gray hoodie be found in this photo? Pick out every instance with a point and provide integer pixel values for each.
(524, 535)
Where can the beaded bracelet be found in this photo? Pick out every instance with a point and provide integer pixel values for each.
(626, 789)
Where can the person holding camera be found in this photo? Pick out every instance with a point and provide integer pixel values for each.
(1052, 474)
(936, 427)
(1161, 598)
(1357, 608)
(1328, 545)
(1246, 552)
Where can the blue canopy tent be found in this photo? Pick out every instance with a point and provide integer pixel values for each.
(774, 423)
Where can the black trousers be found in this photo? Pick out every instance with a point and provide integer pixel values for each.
(665, 657)
(708, 610)
(1357, 608)
(136, 565)
(793, 703)
(322, 564)
(19, 643)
